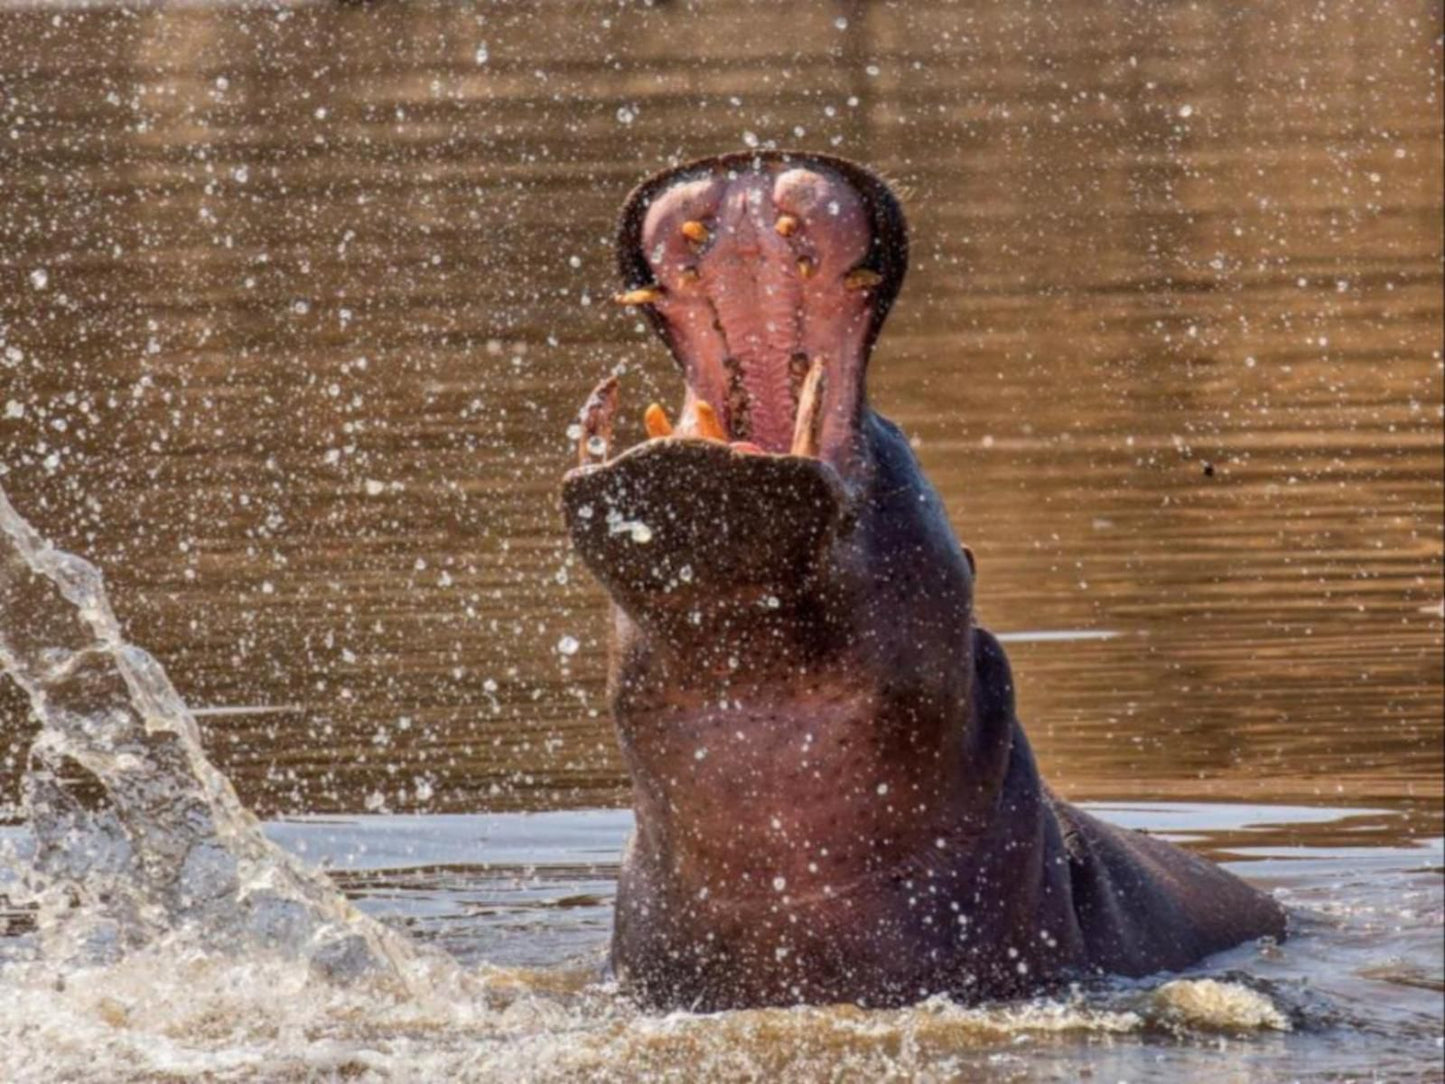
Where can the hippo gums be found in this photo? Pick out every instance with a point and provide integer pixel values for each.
(834, 799)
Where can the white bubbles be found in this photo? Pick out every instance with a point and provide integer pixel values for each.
(568, 646)
(482, 54)
(636, 530)
(40, 278)
(626, 114)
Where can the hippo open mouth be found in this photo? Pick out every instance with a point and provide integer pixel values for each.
(768, 276)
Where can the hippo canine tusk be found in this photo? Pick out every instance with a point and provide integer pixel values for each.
(810, 401)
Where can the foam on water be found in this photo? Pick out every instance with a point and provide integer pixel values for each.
(170, 1010)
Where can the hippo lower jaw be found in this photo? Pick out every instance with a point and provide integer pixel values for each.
(693, 537)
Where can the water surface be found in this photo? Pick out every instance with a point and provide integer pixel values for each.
(296, 306)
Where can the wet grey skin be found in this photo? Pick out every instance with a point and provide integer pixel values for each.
(835, 801)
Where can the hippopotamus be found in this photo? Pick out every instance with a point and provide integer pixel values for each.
(834, 798)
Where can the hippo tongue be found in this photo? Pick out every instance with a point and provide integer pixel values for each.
(682, 532)
(760, 273)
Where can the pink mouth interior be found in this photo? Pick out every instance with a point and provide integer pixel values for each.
(744, 316)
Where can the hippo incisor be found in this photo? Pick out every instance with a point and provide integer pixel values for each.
(834, 799)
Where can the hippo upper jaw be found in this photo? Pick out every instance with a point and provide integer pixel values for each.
(768, 276)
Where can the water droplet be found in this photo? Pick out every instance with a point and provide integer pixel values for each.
(568, 645)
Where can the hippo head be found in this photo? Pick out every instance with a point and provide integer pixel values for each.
(768, 276)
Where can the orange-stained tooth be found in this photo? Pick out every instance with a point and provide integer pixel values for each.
(654, 420)
(689, 275)
(786, 225)
(810, 404)
(806, 267)
(708, 426)
(861, 278)
(695, 231)
(643, 295)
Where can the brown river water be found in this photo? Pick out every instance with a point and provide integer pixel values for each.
(297, 305)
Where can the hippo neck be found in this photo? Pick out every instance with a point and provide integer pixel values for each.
(804, 789)
(791, 875)
(825, 756)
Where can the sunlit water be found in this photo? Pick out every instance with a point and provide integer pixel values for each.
(297, 306)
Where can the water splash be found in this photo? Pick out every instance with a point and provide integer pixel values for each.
(137, 836)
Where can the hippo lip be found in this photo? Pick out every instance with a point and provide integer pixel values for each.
(679, 526)
(768, 277)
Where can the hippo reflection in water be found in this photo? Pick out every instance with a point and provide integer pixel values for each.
(834, 798)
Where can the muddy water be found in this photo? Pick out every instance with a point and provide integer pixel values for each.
(296, 308)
